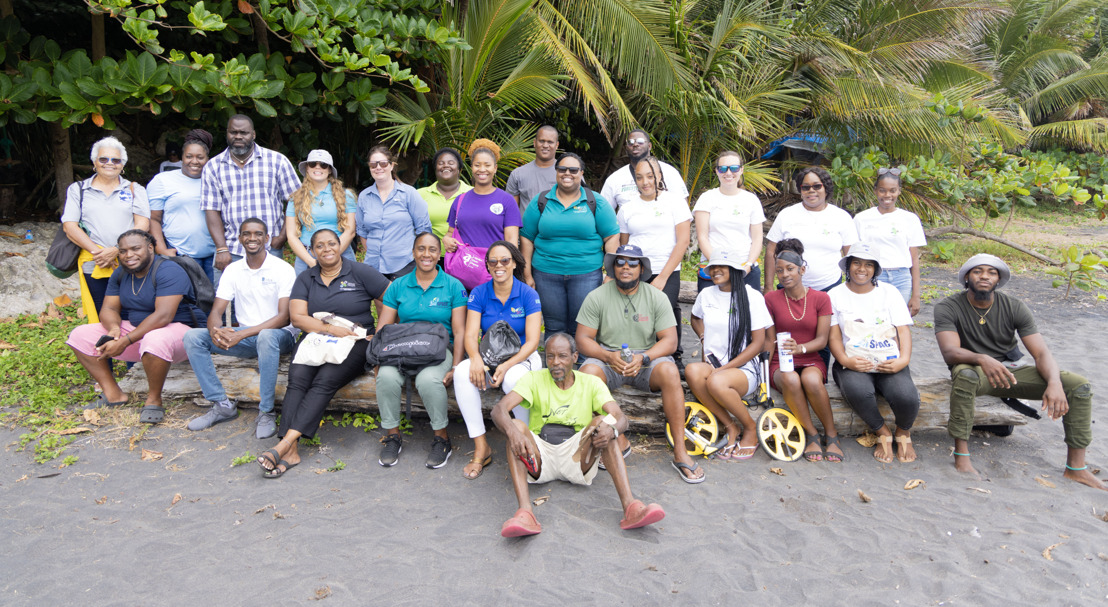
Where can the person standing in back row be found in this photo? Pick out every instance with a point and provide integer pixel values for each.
(620, 186)
(536, 177)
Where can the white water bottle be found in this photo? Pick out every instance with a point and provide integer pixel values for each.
(625, 354)
(785, 360)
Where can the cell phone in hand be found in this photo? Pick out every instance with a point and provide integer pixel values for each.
(714, 361)
(103, 340)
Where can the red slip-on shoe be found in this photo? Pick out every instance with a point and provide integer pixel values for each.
(522, 524)
(639, 515)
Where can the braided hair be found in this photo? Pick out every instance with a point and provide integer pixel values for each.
(738, 323)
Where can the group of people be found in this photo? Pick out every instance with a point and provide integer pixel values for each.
(601, 271)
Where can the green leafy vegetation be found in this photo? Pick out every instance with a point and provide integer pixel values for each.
(1085, 271)
(245, 458)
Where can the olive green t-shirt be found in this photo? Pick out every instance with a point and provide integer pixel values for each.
(1007, 318)
(626, 319)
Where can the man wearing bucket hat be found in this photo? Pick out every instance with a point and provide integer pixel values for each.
(624, 311)
(976, 331)
(321, 203)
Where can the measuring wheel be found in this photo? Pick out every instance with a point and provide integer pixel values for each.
(702, 435)
(781, 434)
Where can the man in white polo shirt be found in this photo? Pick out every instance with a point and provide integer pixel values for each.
(260, 285)
(620, 186)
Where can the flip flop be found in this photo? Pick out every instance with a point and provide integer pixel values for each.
(626, 452)
(277, 472)
(483, 463)
(638, 515)
(813, 456)
(102, 402)
(522, 524)
(883, 440)
(678, 466)
(151, 414)
(834, 458)
(727, 453)
(735, 453)
(273, 459)
(902, 443)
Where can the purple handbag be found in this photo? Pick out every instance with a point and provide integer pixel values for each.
(467, 263)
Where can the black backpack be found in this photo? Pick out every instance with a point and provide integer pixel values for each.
(203, 290)
(590, 200)
(408, 346)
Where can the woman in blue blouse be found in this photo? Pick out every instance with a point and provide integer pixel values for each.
(321, 203)
(176, 221)
(390, 214)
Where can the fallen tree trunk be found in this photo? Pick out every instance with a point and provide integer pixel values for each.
(643, 409)
(987, 236)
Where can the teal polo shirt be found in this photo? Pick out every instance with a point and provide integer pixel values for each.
(569, 240)
(435, 304)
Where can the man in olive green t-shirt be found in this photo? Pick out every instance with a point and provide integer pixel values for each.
(573, 424)
(976, 331)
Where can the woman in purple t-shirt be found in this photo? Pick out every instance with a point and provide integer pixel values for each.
(486, 213)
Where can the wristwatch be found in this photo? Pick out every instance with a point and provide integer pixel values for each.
(645, 360)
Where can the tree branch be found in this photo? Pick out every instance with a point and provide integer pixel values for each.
(939, 231)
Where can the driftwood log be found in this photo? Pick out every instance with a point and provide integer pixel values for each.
(643, 409)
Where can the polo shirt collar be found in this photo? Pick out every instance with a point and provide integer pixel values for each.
(552, 196)
(123, 183)
(439, 281)
(346, 269)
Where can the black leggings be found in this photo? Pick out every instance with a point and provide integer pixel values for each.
(861, 389)
(672, 290)
(311, 389)
(97, 288)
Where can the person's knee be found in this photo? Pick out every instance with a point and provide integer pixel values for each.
(593, 370)
(787, 380)
(667, 375)
(269, 339)
(195, 338)
(718, 383)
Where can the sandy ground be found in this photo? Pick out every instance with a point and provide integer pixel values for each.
(111, 531)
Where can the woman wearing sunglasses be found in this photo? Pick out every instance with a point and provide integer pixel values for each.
(729, 218)
(97, 211)
(825, 230)
(390, 214)
(565, 235)
(320, 203)
(898, 236)
(506, 298)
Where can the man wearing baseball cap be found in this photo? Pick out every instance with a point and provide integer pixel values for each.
(976, 331)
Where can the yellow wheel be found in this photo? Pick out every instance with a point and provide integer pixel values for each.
(781, 434)
(702, 436)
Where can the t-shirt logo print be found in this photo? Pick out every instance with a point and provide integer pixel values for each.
(496, 209)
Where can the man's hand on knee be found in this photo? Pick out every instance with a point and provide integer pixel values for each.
(1054, 400)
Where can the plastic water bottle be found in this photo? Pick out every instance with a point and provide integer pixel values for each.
(28, 237)
(625, 354)
(785, 361)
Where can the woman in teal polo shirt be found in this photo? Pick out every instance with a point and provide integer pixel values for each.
(564, 241)
(426, 294)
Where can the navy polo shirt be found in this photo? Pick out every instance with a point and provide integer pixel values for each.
(350, 294)
(433, 304)
(522, 302)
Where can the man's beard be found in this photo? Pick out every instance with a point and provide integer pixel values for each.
(141, 267)
(979, 295)
(243, 149)
(635, 159)
(628, 285)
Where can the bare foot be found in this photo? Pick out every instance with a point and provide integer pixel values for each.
(904, 450)
(1085, 478)
(963, 465)
(883, 450)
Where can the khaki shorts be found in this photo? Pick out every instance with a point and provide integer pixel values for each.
(558, 464)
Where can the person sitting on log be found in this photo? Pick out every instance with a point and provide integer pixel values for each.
(143, 318)
(976, 330)
(627, 312)
(260, 284)
(573, 420)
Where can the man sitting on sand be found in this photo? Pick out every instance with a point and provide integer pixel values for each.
(573, 421)
(260, 285)
(976, 331)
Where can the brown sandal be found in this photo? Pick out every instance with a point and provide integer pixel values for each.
(882, 441)
(486, 462)
(902, 444)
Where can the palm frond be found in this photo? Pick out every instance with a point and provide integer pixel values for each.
(1089, 134)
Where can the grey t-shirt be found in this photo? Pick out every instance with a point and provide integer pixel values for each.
(529, 181)
(105, 217)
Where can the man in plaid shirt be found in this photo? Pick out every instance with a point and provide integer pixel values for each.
(244, 181)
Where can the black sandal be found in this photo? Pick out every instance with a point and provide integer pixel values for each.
(834, 458)
(813, 456)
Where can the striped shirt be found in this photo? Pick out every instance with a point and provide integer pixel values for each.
(257, 189)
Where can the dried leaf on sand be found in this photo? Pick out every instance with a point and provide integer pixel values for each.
(69, 431)
(1044, 482)
(868, 439)
(865, 498)
(176, 498)
(62, 300)
(92, 416)
(1046, 553)
(538, 501)
(912, 484)
(151, 456)
(978, 489)
(6, 346)
(777, 471)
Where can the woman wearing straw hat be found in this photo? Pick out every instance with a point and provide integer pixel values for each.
(321, 203)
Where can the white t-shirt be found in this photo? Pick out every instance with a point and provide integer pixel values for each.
(714, 307)
(892, 233)
(824, 234)
(730, 220)
(620, 188)
(652, 225)
(868, 321)
(256, 292)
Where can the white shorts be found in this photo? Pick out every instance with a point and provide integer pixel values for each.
(558, 464)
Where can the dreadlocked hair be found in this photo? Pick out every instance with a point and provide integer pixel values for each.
(738, 323)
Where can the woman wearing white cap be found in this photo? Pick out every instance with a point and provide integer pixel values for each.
(871, 340)
(730, 318)
(320, 203)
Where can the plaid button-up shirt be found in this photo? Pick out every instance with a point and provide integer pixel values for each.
(259, 189)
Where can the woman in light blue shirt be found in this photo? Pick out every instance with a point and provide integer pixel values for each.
(321, 203)
(176, 221)
(390, 214)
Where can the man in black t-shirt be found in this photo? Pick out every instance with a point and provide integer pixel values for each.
(976, 331)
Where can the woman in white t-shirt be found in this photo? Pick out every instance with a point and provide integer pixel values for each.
(898, 236)
(872, 343)
(825, 230)
(659, 223)
(729, 218)
(730, 318)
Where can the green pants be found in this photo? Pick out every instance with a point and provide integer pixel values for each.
(969, 381)
(428, 382)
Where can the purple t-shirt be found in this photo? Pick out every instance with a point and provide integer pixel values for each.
(483, 217)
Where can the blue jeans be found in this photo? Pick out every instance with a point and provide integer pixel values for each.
(562, 296)
(901, 278)
(207, 264)
(300, 266)
(267, 347)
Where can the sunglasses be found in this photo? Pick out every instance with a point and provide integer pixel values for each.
(815, 187)
(570, 170)
(636, 141)
(315, 164)
(734, 168)
(620, 262)
(503, 261)
(106, 160)
(378, 164)
(893, 172)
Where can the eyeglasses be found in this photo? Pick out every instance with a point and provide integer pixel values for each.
(734, 168)
(893, 172)
(815, 187)
(637, 141)
(570, 170)
(315, 164)
(106, 160)
(620, 262)
(378, 164)
(503, 261)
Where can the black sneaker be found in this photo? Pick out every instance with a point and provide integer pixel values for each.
(440, 452)
(390, 453)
